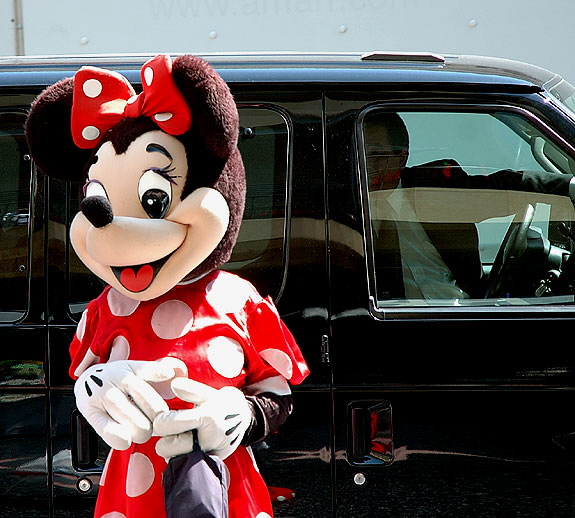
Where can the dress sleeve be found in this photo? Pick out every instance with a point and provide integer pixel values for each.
(82, 355)
(274, 342)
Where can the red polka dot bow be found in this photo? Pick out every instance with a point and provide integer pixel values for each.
(103, 98)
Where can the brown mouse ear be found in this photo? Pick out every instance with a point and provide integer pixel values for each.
(213, 141)
(214, 112)
(49, 134)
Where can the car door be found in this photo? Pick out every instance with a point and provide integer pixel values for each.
(454, 402)
(281, 250)
(24, 470)
(296, 461)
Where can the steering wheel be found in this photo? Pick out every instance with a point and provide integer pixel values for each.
(511, 249)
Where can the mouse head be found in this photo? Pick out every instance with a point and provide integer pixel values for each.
(164, 181)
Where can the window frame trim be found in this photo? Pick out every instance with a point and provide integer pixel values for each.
(284, 114)
(20, 316)
(76, 308)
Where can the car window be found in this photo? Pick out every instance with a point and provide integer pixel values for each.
(14, 216)
(259, 251)
(258, 254)
(466, 208)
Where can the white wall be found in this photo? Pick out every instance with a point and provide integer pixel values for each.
(7, 28)
(528, 30)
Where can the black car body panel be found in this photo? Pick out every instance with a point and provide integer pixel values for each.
(471, 403)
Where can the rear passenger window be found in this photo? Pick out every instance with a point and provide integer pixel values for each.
(15, 175)
(259, 251)
(467, 209)
(258, 254)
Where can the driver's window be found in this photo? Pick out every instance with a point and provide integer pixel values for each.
(466, 209)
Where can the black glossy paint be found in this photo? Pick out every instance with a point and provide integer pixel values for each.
(480, 400)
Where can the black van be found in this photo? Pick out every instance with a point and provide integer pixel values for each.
(456, 401)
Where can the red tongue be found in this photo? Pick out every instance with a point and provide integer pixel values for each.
(137, 281)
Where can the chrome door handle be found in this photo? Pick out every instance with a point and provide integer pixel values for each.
(88, 453)
(370, 433)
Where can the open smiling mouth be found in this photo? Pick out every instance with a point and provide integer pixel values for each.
(137, 278)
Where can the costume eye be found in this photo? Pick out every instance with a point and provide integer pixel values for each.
(155, 194)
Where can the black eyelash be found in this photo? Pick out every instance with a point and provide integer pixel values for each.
(164, 173)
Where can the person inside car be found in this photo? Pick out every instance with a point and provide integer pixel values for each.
(424, 259)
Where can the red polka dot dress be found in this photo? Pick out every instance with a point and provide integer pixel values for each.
(217, 330)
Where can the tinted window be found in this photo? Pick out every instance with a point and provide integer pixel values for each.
(258, 254)
(466, 209)
(14, 216)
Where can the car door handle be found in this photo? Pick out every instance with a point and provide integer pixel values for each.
(370, 433)
(88, 450)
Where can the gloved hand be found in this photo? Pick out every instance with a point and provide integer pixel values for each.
(221, 417)
(119, 403)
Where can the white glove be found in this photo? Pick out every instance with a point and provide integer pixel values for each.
(221, 417)
(119, 403)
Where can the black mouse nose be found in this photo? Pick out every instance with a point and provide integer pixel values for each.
(98, 210)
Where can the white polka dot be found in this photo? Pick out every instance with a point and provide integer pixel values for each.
(172, 319)
(149, 75)
(164, 388)
(105, 470)
(302, 366)
(254, 462)
(163, 117)
(178, 365)
(120, 349)
(113, 514)
(275, 384)
(81, 329)
(89, 359)
(226, 356)
(226, 297)
(120, 305)
(92, 88)
(279, 360)
(263, 515)
(140, 475)
(90, 133)
(132, 99)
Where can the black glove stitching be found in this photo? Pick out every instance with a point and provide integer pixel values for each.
(96, 380)
(232, 429)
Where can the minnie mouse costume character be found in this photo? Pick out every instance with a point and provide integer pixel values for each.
(172, 344)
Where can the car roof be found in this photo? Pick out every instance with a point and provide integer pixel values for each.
(327, 69)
